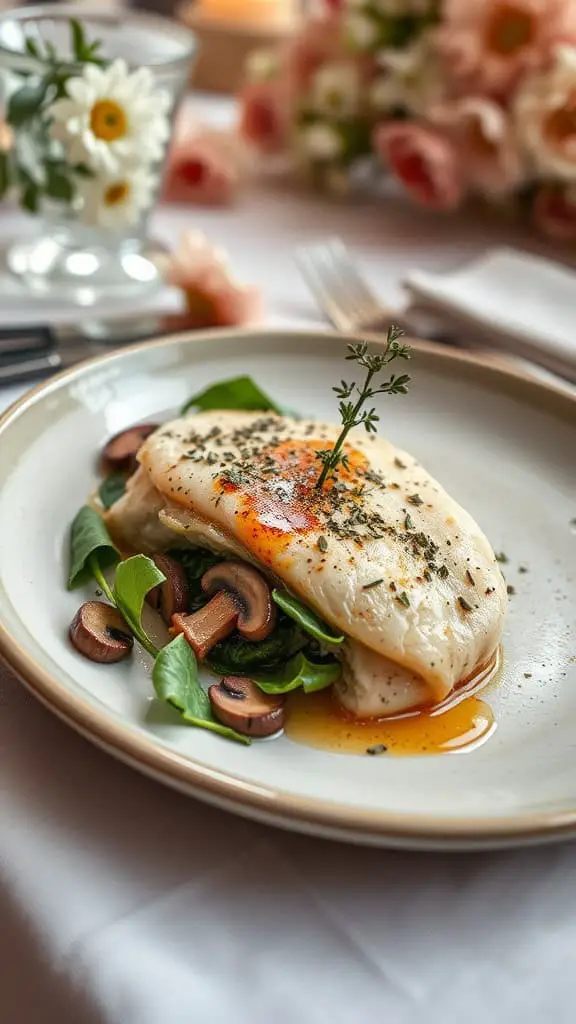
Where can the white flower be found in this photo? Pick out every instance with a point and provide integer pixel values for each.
(321, 142)
(545, 111)
(112, 202)
(361, 30)
(261, 65)
(413, 78)
(112, 118)
(336, 90)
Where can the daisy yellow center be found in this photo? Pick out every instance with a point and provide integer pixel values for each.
(509, 29)
(116, 193)
(108, 120)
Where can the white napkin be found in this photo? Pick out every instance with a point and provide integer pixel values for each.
(510, 300)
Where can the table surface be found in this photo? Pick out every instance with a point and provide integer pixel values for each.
(123, 902)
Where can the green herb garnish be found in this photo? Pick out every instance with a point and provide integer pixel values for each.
(464, 604)
(236, 393)
(403, 599)
(91, 550)
(378, 748)
(322, 544)
(442, 572)
(415, 499)
(409, 525)
(399, 463)
(501, 557)
(351, 412)
(510, 590)
(375, 583)
(175, 678)
(306, 619)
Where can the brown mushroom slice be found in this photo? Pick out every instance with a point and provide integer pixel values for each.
(171, 597)
(242, 600)
(120, 452)
(100, 633)
(238, 703)
(210, 624)
(257, 611)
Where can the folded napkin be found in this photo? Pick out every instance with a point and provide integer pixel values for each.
(509, 300)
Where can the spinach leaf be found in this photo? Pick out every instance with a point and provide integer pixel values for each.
(236, 393)
(299, 671)
(112, 488)
(305, 618)
(175, 678)
(91, 548)
(134, 578)
(236, 656)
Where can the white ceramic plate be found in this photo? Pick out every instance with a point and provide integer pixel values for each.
(503, 445)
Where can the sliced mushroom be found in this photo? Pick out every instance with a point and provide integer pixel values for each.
(171, 597)
(242, 600)
(100, 633)
(121, 450)
(257, 611)
(238, 702)
(210, 624)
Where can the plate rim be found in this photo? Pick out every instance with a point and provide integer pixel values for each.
(224, 788)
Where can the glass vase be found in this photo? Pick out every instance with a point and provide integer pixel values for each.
(91, 199)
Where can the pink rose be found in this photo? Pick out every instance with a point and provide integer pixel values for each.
(554, 212)
(319, 42)
(265, 115)
(482, 134)
(424, 161)
(205, 167)
(489, 44)
(213, 298)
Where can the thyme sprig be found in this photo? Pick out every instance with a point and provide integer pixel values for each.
(352, 413)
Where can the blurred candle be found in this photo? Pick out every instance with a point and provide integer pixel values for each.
(253, 12)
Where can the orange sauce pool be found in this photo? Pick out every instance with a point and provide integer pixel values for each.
(461, 722)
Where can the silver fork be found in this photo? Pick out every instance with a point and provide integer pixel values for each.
(343, 294)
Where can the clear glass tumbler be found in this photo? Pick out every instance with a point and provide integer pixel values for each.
(72, 256)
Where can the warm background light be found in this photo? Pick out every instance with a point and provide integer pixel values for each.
(247, 11)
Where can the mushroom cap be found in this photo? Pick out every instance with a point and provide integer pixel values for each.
(239, 703)
(257, 611)
(99, 632)
(119, 453)
(171, 597)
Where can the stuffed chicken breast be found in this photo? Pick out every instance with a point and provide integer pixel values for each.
(381, 552)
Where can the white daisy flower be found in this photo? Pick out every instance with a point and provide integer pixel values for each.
(336, 90)
(112, 118)
(113, 202)
(414, 78)
(321, 142)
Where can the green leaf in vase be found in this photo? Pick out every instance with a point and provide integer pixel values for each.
(25, 103)
(58, 184)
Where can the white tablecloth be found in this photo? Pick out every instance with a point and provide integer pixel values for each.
(122, 902)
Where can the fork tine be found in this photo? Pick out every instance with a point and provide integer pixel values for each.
(311, 261)
(363, 304)
(338, 286)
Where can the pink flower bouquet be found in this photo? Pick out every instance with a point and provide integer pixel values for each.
(453, 98)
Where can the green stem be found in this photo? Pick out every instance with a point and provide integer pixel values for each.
(100, 579)
(146, 643)
(331, 464)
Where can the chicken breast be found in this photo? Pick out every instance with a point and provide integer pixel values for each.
(381, 552)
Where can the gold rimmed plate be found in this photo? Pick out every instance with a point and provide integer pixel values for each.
(501, 443)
